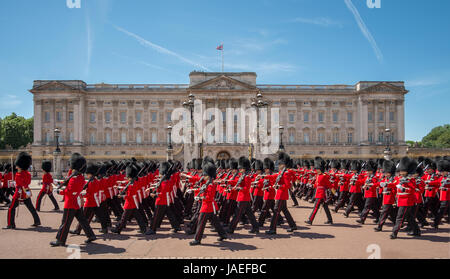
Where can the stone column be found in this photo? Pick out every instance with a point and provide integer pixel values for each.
(375, 119)
(57, 164)
(37, 130)
(362, 121)
(64, 132)
(400, 121)
(82, 116)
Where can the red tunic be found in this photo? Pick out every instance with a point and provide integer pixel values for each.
(405, 196)
(47, 179)
(321, 184)
(389, 191)
(91, 196)
(72, 192)
(23, 180)
(444, 188)
(209, 204)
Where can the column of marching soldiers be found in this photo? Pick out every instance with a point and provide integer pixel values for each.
(231, 192)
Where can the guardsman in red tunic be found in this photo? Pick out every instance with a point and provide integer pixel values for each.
(418, 210)
(343, 179)
(389, 186)
(72, 202)
(91, 204)
(162, 202)
(370, 188)
(322, 184)
(7, 187)
(406, 189)
(257, 185)
(431, 178)
(131, 202)
(242, 186)
(283, 181)
(443, 167)
(22, 180)
(209, 207)
(356, 182)
(47, 186)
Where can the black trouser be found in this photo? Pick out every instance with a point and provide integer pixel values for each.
(177, 208)
(105, 209)
(114, 204)
(89, 213)
(419, 213)
(257, 203)
(355, 199)
(405, 211)
(343, 199)
(386, 211)
(192, 224)
(232, 205)
(147, 208)
(243, 207)
(443, 208)
(131, 213)
(293, 198)
(431, 204)
(42, 193)
(189, 202)
(320, 201)
(3, 197)
(280, 206)
(202, 219)
(67, 219)
(160, 212)
(371, 204)
(12, 211)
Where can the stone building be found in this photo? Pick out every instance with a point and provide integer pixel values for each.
(113, 121)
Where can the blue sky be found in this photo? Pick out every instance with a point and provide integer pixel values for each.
(284, 42)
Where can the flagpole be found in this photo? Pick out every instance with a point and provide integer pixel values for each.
(222, 58)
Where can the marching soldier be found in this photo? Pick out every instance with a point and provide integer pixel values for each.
(22, 180)
(389, 186)
(443, 167)
(72, 202)
(370, 193)
(322, 184)
(356, 182)
(208, 208)
(47, 186)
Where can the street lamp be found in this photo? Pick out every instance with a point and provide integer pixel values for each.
(257, 104)
(169, 129)
(281, 147)
(387, 150)
(190, 104)
(57, 133)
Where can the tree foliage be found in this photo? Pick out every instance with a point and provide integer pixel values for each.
(16, 131)
(439, 137)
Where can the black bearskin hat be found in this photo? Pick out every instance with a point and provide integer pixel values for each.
(283, 158)
(443, 165)
(259, 165)
(23, 160)
(335, 164)
(91, 168)
(389, 167)
(132, 171)
(209, 169)
(233, 164)
(244, 163)
(355, 165)
(404, 164)
(77, 161)
(320, 164)
(47, 166)
(268, 164)
(164, 168)
(371, 166)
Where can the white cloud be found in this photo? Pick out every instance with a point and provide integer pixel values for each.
(322, 21)
(158, 48)
(365, 31)
(89, 41)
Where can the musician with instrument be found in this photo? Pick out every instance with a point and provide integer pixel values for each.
(72, 202)
(242, 186)
(283, 181)
(209, 207)
(22, 180)
(322, 184)
(406, 189)
(443, 166)
(389, 186)
(370, 188)
(47, 186)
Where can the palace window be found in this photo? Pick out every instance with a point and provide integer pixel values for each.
(306, 116)
(350, 117)
(291, 117)
(58, 116)
(335, 117)
(306, 137)
(370, 116)
(321, 117)
(381, 116)
(71, 137)
(138, 138)
(92, 117)
(124, 138)
(92, 138)
(107, 117)
(336, 137)
(138, 117)
(70, 116)
(380, 137)
(47, 116)
(169, 117)
(350, 137)
(391, 116)
(321, 138)
(291, 137)
(108, 138)
(154, 117)
(123, 117)
(370, 136)
(154, 137)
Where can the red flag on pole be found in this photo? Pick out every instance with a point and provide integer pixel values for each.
(220, 47)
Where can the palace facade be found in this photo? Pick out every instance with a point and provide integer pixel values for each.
(113, 121)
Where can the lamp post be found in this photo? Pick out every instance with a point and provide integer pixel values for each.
(190, 104)
(387, 150)
(281, 147)
(170, 147)
(257, 104)
(56, 154)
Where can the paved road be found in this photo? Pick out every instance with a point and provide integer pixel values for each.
(345, 239)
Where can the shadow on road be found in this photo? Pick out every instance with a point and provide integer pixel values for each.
(232, 246)
(312, 235)
(98, 249)
(39, 229)
(340, 225)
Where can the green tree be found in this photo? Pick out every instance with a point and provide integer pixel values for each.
(16, 131)
(439, 137)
